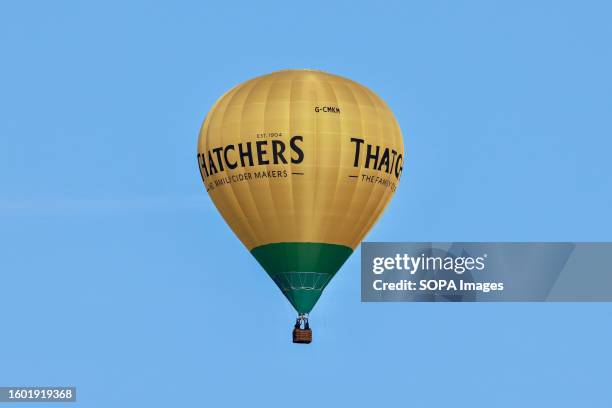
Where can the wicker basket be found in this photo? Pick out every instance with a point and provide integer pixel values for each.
(303, 336)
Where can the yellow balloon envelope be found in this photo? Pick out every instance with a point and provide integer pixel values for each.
(300, 164)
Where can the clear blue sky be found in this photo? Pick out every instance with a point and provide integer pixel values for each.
(119, 277)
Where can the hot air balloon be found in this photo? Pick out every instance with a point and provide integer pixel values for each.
(300, 164)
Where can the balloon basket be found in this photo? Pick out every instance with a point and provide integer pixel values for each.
(302, 335)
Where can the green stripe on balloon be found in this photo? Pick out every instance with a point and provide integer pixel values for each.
(301, 269)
